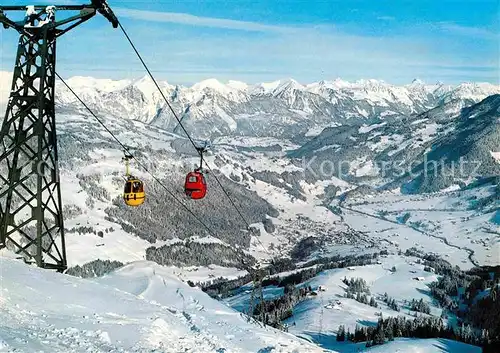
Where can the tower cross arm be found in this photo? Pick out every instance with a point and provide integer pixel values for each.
(86, 11)
(7, 23)
(41, 7)
(103, 8)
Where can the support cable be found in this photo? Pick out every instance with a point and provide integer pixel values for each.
(209, 230)
(259, 286)
(183, 128)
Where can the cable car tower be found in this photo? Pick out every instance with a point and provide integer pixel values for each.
(31, 220)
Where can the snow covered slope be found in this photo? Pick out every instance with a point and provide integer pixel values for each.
(5, 82)
(406, 345)
(317, 317)
(322, 314)
(428, 152)
(139, 308)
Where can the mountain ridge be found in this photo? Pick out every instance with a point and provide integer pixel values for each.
(284, 108)
(212, 108)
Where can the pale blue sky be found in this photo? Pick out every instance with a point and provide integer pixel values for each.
(264, 40)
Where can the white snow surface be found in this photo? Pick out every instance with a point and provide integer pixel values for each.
(496, 156)
(5, 85)
(138, 308)
(317, 318)
(407, 345)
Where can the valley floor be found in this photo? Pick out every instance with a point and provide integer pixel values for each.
(443, 223)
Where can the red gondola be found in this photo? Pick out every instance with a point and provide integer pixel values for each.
(195, 186)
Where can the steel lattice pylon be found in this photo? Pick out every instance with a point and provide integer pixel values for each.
(31, 219)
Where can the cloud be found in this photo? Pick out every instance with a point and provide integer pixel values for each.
(475, 32)
(386, 18)
(187, 19)
(309, 55)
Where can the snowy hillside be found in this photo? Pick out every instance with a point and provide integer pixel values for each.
(139, 308)
(424, 346)
(427, 152)
(392, 283)
(5, 82)
(283, 108)
(322, 314)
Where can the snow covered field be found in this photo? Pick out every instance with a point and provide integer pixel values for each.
(139, 308)
(311, 315)
(406, 345)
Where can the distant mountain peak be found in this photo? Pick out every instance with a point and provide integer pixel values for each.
(287, 86)
(370, 81)
(147, 86)
(242, 86)
(264, 87)
(212, 83)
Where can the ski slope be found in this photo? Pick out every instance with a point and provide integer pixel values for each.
(437, 345)
(403, 345)
(139, 308)
(324, 313)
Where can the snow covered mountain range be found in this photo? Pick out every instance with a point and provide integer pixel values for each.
(282, 108)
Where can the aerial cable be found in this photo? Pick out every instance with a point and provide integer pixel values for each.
(180, 123)
(249, 269)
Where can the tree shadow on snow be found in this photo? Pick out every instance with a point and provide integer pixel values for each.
(366, 323)
(447, 346)
(321, 339)
(424, 291)
(329, 341)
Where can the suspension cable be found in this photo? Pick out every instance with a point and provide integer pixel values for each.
(248, 268)
(258, 287)
(182, 126)
(210, 231)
